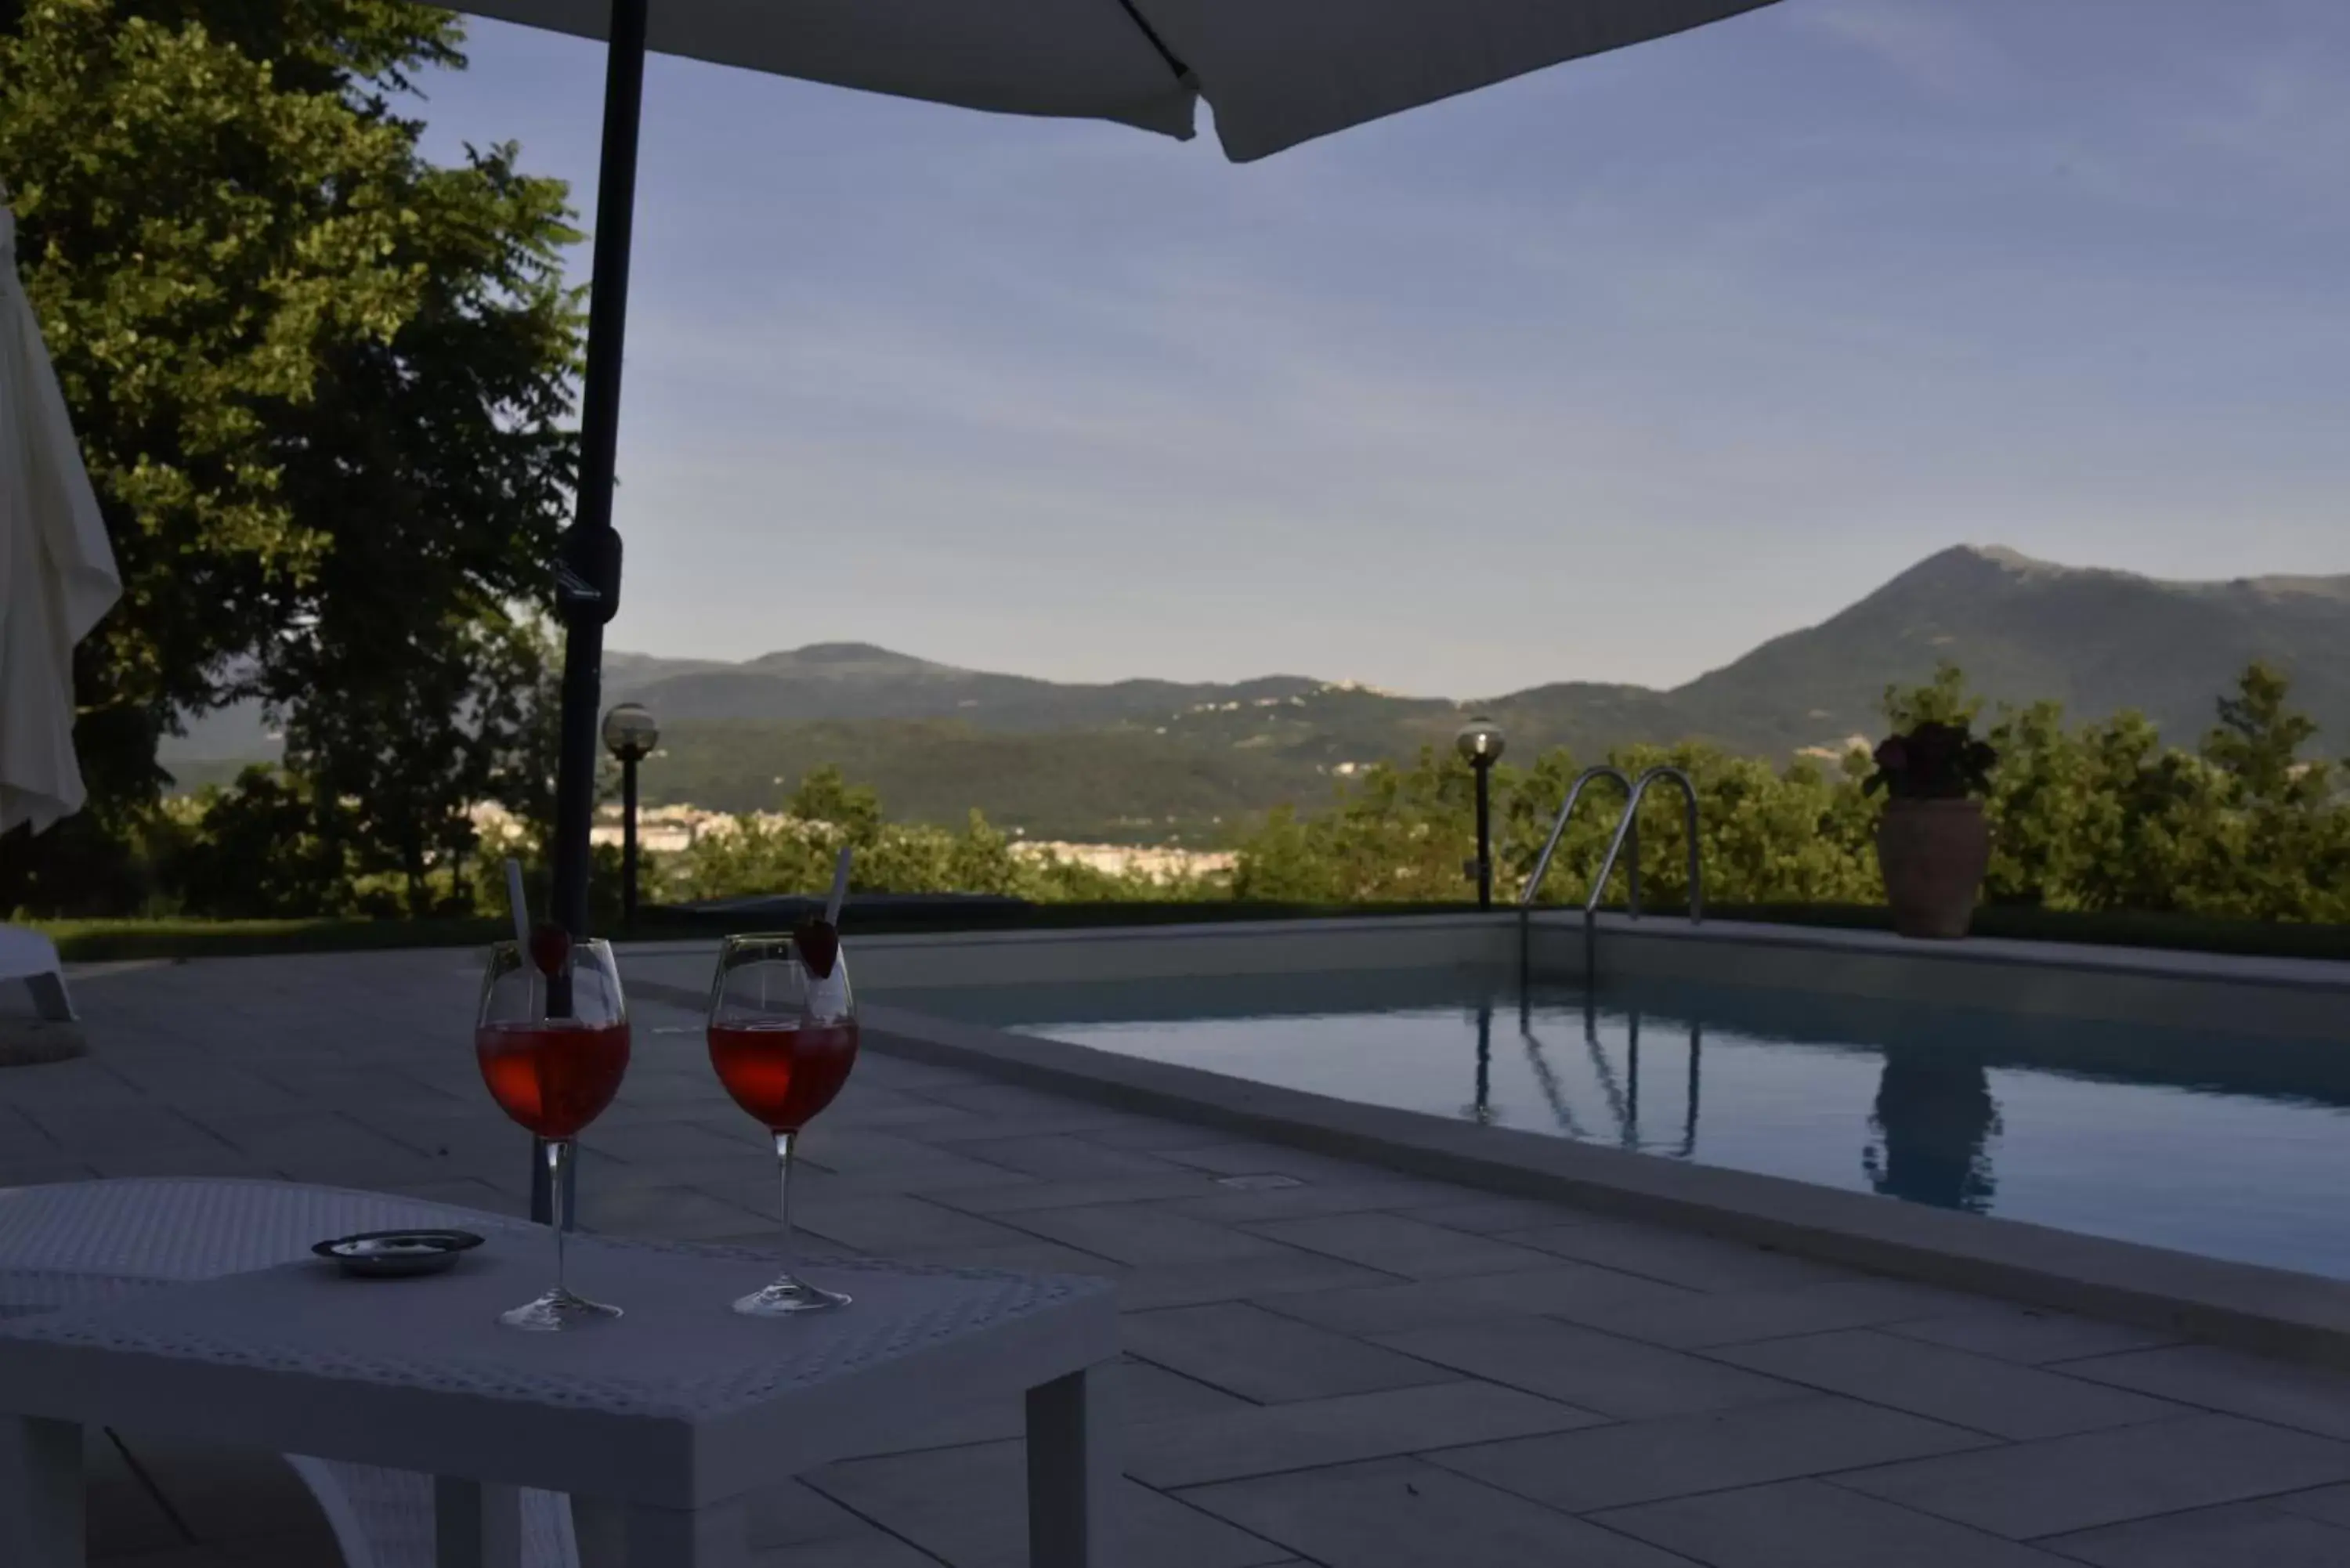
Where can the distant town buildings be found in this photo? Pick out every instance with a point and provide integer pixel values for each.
(672, 829)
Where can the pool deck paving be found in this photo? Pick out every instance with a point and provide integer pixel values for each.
(1326, 1361)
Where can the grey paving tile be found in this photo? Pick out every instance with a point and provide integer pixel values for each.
(890, 1223)
(1809, 1524)
(120, 1513)
(1242, 1158)
(2095, 1478)
(1149, 1134)
(1645, 1461)
(1130, 1234)
(2028, 1334)
(672, 1213)
(1267, 1281)
(2308, 1397)
(1398, 1245)
(652, 1143)
(226, 1495)
(2330, 1503)
(908, 1162)
(873, 1549)
(1013, 1198)
(182, 1159)
(1317, 1432)
(1489, 1216)
(88, 1133)
(1266, 1357)
(1143, 1393)
(1578, 1291)
(1736, 1318)
(33, 1172)
(1590, 1370)
(1139, 1394)
(987, 1098)
(1034, 1257)
(969, 1506)
(467, 1193)
(1062, 1157)
(1403, 1513)
(1675, 1256)
(2237, 1535)
(797, 1514)
(1236, 1207)
(1995, 1396)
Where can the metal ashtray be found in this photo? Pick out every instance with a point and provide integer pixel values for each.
(397, 1254)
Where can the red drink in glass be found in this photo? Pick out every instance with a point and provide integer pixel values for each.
(783, 1072)
(553, 1076)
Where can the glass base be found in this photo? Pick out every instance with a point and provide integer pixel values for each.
(788, 1297)
(555, 1311)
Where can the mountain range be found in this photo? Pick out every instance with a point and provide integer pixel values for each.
(1159, 758)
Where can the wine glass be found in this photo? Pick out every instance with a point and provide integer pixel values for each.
(783, 1038)
(552, 1042)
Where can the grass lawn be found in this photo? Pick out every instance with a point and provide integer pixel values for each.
(90, 941)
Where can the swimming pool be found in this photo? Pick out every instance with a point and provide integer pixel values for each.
(2232, 1147)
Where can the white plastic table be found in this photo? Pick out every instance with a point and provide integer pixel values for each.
(659, 1423)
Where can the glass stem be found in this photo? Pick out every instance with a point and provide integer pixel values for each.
(784, 1165)
(558, 1153)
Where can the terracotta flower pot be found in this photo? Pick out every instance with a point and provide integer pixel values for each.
(1933, 854)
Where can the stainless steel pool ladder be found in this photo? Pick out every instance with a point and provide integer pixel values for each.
(1628, 832)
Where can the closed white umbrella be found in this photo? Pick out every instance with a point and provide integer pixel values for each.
(57, 570)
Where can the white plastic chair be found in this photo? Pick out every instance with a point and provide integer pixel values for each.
(70, 1242)
(32, 958)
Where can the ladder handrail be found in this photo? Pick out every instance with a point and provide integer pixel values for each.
(1630, 825)
(1558, 829)
(1623, 830)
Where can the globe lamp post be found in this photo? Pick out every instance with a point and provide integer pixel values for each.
(630, 734)
(1480, 743)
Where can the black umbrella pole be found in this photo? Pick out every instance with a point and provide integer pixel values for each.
(587, 575)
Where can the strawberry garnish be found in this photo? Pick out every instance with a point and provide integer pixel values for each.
(550, 948)
(818, 942)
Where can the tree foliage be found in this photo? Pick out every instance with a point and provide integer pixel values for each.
(319, 385)
(794, 853)
(2101, 817)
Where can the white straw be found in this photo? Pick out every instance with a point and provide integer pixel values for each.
(516, 902)
(839, 886)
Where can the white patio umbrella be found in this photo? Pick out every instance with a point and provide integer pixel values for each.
(1277, 73)
(57, 570)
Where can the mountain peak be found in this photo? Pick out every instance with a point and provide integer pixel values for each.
(840, 658)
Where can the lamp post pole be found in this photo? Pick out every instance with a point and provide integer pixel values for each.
(630, 734)
(628, 842)
(1481, 742)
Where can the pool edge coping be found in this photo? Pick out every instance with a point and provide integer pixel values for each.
(2269, 1311)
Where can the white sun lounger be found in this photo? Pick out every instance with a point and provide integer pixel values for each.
(70, 1242)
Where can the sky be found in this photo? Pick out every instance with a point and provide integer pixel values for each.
(1608, 373)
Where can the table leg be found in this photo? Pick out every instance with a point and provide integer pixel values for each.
(475, 1525)
(40, 1493)
(1070, 1472)
(634, 1535)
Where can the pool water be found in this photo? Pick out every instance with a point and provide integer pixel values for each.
(2234, 1147)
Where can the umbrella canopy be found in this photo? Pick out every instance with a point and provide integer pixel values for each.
(56, 571)
(1276, 72)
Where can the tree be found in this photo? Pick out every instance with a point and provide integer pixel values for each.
(2284, 849)
(317, 381)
